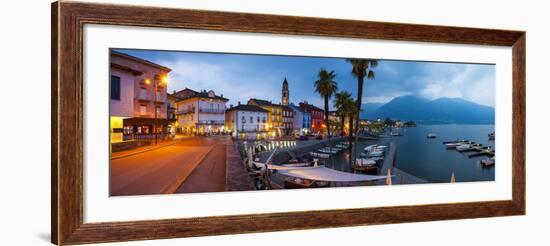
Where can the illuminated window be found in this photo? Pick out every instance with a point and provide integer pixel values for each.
(142, 109)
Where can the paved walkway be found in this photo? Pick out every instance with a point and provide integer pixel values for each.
(164, 169)
(209, 176)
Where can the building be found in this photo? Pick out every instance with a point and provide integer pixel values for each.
(317, 117)
(275, 115)
(288, 119)
(138, 98)
(171, 113)
(301, 122)
(200, 112)
(247, 122)
(285, 93)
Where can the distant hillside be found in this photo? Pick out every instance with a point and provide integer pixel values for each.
(439, 111)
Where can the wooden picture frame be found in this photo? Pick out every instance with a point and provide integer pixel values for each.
(68, 20)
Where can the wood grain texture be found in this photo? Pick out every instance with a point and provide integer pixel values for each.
(68, 19)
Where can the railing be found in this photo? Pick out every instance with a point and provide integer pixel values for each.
(209, 110)
(186, 111)
(150, 136)
(212, 122)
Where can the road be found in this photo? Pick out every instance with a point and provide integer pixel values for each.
(190, 165)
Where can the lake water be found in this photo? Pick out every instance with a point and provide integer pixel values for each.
(429, 159)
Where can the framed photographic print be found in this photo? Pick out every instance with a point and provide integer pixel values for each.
(176, 123)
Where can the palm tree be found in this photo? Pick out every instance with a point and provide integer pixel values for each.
(326, 87)
(345, 106)
(361, 68)
(341, 99)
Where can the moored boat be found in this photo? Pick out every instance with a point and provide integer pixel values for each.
(488, 162)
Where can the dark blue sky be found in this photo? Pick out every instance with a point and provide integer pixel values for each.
(240, 77)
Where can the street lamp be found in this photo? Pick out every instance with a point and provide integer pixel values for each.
(163, 80)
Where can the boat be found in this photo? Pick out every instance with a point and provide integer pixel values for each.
(342, 146)
(462, 147)
(370, 147)
(491, 136)
(381, 147)
(375, 153)
(452, 145)
(431, 135)
(327, 151)
(364, 162)
(298, 183)
(396, 134)
(320, 155)
(488, 162)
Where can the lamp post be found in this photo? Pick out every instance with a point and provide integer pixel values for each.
(163, 79)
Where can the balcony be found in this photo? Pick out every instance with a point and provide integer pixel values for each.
(211, 122)
(212, 111)
(186, 111)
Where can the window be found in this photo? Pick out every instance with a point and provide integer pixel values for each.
(143, 93)
(142, 109)
(158, 110)
(159, 94)
(243, 119)
(258, 119)
(251, 119)
(115, 87)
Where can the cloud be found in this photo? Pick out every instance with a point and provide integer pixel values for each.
(472, 82)
(235, 81)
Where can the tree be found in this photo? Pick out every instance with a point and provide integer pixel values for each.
(360, 69)
(326, 87)
(345, 106)
(341, 101)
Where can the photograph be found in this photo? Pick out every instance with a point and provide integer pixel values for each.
(191, 122)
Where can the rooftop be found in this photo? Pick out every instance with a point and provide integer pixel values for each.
(140, 60)
(248, 107)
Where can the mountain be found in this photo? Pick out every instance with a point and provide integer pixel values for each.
(439, 111)
(369, 107)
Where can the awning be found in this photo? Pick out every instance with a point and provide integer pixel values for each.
(146, 121)
(322, 174)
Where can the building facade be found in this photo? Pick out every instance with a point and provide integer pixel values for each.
(275, 115)
(247, 122)
(317, 117)
(288, 119)
(138, 98)
(285, 99)
(301, 122)
(200, 112)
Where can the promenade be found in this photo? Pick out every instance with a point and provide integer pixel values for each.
(194, 164)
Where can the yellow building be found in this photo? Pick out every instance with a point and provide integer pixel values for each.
(275, 115)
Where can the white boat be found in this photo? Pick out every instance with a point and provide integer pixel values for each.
(328, 150)
(364, 162)
(381, 147)
(319, 155)
(452, 145)
(375, 153)
(488, 162)
(431, 135)
(462, 147)
(370, 147)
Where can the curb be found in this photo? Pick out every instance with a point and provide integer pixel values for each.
(173, 187)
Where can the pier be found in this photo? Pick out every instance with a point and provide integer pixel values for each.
(472, 147)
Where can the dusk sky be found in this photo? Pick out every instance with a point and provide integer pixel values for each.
(240, 77)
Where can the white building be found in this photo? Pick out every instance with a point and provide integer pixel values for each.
(200, 112)
(247, 122)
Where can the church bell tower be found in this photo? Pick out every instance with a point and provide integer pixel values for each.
(285, 92)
